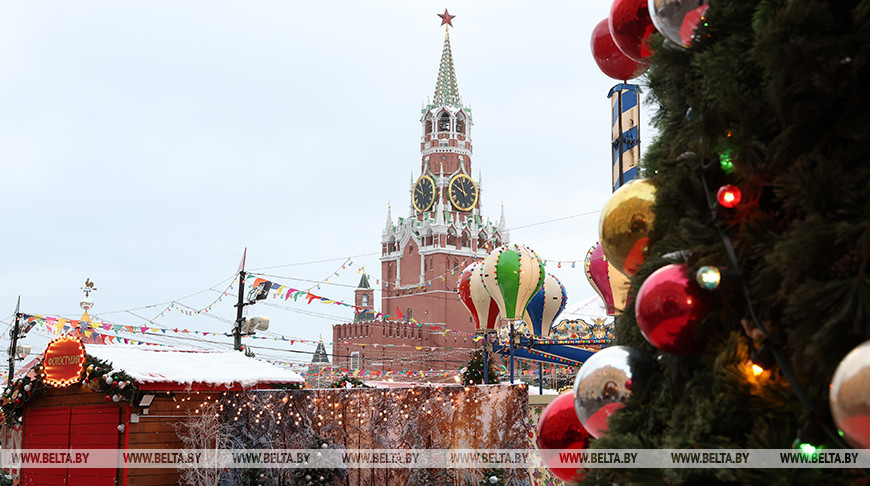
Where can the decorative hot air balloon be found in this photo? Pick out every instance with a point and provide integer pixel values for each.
(598, 276)
(477, 300)
(546, 305)
(512, 275)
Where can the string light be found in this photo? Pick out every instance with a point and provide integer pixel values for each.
(771, 341)
(708, 277)
(729, 196)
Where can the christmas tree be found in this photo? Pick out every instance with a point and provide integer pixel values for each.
(770, 99)
(473, 374)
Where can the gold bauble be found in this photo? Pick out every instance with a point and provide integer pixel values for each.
(626, 223)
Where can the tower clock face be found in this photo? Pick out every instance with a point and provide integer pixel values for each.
(424, 193)
(462, 192)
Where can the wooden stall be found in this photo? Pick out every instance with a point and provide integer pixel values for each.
(124, 398)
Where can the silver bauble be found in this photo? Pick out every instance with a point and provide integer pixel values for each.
(603, 385)
(850, 396)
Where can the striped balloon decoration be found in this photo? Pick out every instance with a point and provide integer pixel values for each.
(512, 275)
(477, 300)
(599, 276)
(546, 305)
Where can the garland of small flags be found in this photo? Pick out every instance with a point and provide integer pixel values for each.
(196, 312)
(59, 325)
(465, 262)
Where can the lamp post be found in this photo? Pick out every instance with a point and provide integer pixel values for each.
(13, 344)
(257, 323)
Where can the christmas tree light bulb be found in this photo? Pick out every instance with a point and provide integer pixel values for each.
(757, 370)
(726, 163)
(708, 277)
(729, 196)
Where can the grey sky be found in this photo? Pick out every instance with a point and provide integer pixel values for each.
(146, 144)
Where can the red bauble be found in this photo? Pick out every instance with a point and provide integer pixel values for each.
(631, 27)
(559, 430)
(609, 58)
(669, 305)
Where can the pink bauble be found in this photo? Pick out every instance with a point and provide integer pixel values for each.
(631, 27)
(559, 430)
(609, 58)
(669, 306)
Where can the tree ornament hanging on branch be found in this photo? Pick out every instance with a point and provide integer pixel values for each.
(669, 305)
(850, 396)
(626, 223)
(678, 19)
(560, 430)
(631, 27)
(603, 385)
(609, 58)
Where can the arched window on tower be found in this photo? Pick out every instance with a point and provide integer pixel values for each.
(444, 122)
(451, 237)
(481, 240)
(460, 124)
(365, 300)
(428, 125)
(466, 239)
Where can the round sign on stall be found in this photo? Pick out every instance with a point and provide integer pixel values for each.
(64, 361)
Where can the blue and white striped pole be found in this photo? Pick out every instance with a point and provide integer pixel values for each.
(625, 132)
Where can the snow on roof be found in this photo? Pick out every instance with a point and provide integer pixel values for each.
(185, 366)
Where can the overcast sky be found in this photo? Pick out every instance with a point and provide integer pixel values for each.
(144, 145)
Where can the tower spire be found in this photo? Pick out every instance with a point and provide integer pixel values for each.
(389, 226)
(446, 88)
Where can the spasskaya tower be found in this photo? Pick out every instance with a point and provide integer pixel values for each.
(422, 254)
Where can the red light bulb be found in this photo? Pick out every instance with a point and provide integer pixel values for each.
(729, 196)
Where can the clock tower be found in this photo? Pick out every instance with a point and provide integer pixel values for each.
(422, 254)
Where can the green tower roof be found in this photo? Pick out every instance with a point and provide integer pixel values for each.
(446, 89)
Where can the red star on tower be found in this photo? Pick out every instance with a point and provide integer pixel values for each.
(446, 18)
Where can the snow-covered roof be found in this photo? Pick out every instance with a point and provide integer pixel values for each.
(185, 366)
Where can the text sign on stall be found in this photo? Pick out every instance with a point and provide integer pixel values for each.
(64, 361)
